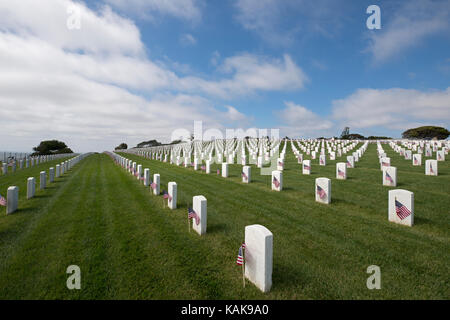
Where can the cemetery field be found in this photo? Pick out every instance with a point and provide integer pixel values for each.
(128, 245)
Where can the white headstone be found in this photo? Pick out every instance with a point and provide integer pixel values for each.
(277, 180)
(31, 187)
(280, 164)
(156, 181)
(172, 201)
(350, 162)
(401, 207)
(417, 159)
(58, 170)
(12, 201)
(139, 172)
(208, 166)
(51, 173)
(146, 177)
(431, 167)
(246, 174)
(385, 162)
(390, 176)
(43, 180)
(200, 208)
(225, 170)
(259, 256)
(323, 190)
(322, 160)
(306, 167)
(341, 170)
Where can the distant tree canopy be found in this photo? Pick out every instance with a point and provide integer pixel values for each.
(51, 147)
(352, 136)
(378, 138)
(149, 143)
(122, 146)
(426, 132)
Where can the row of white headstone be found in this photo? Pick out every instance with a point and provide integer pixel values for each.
(12, 200)
(258, 239)
(30, 162)
(143, 175)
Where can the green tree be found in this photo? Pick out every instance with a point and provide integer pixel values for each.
(51, 147)
(426, 132)
(122, 146)
(353, 136)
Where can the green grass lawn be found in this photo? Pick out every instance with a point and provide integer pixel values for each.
(129, 246)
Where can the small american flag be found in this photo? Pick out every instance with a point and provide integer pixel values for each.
(218, 171)
(165, 194)
(431, 169)
(193, 214)
(2, 201)
(349, 165)
(401, 210)
(385, 164)
(321, 192)
(244, 176)
(439, 156)
(280, 163)
(275, 182)
(203, 168)
(389, 178)
(416, 161)
(321, 160)
(306, 167)
(341, 173)
(153, 185)
(240, 257)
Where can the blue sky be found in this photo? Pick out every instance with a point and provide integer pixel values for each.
(137, 69)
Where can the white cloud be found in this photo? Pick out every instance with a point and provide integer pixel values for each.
(394, 108)
(47, 20)
(251, 73)
(408, 27)
(189, 10)
(80, 90)
(96, 87)
(274, 21)
(188, 39)
(299, 121)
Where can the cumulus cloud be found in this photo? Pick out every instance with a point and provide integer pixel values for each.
(408, 27)
(251, 73)
(189, 10)
(299, 121)
(80, 85)
(188, 39)
(274, 21)
(394, 108)
(101, 32)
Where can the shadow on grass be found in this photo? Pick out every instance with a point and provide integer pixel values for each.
(285, 277)
(217, 228)
(42, 196)
(422, 221)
